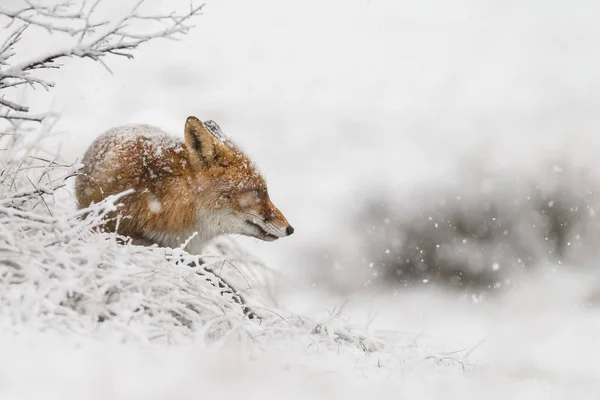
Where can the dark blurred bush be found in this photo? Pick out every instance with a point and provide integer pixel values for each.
(479, 231)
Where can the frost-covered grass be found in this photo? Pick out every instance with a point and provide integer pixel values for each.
(538, 343)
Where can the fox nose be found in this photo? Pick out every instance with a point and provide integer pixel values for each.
(289, 230)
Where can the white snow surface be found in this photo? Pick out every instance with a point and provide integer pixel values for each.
(335, 100)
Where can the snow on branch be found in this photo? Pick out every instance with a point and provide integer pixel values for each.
(89, 36)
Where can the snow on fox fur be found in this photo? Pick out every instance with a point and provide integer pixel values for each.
(204, 185)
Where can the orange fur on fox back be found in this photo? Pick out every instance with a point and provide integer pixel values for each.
(159, 172)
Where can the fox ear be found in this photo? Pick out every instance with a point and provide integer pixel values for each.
(199, 141)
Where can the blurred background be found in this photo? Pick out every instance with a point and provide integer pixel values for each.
(410, 143)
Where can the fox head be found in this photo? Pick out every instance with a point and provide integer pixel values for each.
(230, 189)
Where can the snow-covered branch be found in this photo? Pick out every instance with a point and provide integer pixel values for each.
(88, 36)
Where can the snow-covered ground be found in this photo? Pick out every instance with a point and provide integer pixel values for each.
(337, 101)
(539, 343)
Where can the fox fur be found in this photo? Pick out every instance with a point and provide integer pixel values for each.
(204, 185)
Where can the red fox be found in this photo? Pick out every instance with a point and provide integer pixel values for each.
(204, 184)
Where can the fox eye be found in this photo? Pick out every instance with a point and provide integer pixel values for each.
(260, 195)
(249, 198)
(255, 193)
